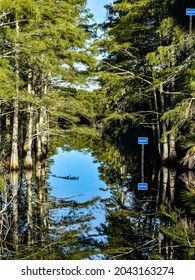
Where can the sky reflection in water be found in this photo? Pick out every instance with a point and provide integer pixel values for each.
(88, 185)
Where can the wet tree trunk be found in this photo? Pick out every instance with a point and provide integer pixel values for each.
(163, 220)
(44, 124)
(155, 225)
(172, 175)
(41, 155)
(14, 184)
(45, 211)
(28, 174)
(38, 158)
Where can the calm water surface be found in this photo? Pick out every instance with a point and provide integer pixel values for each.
(51, 217)
(88, 185)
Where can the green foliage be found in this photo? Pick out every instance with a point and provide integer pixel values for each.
(179, 230)
(188, 197)
(190, 141)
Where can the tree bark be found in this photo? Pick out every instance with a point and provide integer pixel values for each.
(28, 142)
(172, 148)
(29, 134)
(39, 189)
(165, 176)
(158, 129)
(165, 144)
(14, 151)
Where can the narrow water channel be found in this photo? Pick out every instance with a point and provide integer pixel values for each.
(86, 185)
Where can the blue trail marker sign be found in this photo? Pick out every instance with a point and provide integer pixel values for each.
(190, 12)
(143, 140)
(142, 186)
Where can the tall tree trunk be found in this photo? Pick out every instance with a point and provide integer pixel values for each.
(158, 129)
(14, 151)
(45, 122)
(41, 155)
(29, 132)
(28, 141)
(43, 131)
(165, 144)
(165, 176)
(172, 148)
(39, 190)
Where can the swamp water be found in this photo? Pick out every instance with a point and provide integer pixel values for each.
(77, 208)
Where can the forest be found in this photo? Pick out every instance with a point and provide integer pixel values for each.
(64, 86)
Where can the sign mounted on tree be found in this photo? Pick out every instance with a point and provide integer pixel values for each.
(190, 12)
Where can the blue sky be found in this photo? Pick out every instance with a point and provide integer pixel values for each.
(98, 10)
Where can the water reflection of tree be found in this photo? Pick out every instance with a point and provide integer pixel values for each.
(30, 227)
(153, 224)
(188, 195)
